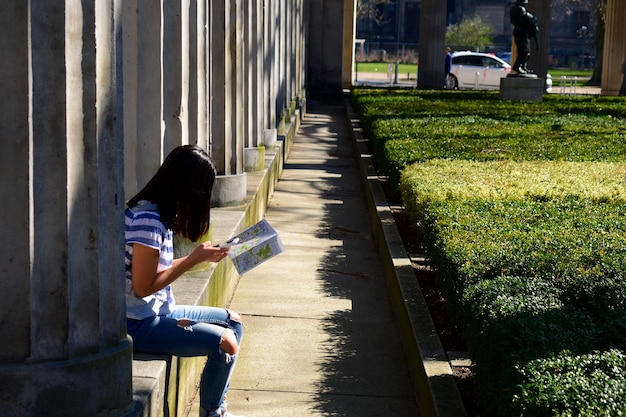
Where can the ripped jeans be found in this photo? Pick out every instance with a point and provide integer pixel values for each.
(200, 335)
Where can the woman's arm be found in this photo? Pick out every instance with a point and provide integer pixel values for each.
(145, 261)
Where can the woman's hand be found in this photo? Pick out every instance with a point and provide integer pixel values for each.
(145, 261)
(207, 252)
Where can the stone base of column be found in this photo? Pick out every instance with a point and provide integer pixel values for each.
(229, 190)
(269, 137)
(522, 88)
(92, 385)
(254, 159)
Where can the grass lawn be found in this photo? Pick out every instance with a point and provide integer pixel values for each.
(381, 67)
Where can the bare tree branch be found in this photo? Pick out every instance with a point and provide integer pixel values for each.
(369, 9)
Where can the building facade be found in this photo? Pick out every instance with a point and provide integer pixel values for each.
(571, 36)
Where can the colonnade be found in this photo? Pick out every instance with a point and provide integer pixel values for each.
(219, 74)
(94, 94)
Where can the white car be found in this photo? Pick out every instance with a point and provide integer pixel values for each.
(476, 70)
(480, 71)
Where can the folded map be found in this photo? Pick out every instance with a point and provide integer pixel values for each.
(256, 245)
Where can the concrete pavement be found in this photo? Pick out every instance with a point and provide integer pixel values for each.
(332, 328)
(320, 338)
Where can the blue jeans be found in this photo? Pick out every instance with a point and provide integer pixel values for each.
(164, 335)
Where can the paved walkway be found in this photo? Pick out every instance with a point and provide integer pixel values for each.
(320, 333)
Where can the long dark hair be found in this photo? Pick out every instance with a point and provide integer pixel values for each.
(181, 188)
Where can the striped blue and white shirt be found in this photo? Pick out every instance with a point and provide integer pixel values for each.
(144, 226)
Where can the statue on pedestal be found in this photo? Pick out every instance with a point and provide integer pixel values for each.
(525, 27)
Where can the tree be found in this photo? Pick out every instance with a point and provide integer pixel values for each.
(470, 33)
(370, 9)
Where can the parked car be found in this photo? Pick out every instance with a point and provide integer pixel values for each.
(480, 71)
(505, 56)
(477, 70)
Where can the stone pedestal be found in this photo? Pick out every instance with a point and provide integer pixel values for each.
(229, 190)
(269, 137)
(254, 159)
(522, 88)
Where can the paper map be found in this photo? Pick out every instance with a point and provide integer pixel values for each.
(256, 245)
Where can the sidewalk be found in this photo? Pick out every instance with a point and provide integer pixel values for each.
(320, 338)
(336, 325)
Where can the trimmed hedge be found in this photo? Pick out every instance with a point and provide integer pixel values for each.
(511, 321)
(530, 279)
(521, 208)
(408, 126)
(458, 180)
(570, 385)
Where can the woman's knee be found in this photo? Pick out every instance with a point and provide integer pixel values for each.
(229, 342)
(235, 316)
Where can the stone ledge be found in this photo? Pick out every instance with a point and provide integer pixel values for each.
(162, 384)
(150, 381)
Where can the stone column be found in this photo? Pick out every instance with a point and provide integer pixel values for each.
(299, 51)
(248, 136)
(431, 72)
(258, 70)
(268, 64)
(614, 63)
(143, 103)
(325, 34)
(269, 52)
(349, 30)
(202, 73)
(538, 61)
(226, 103)
(175, 85)
(65, 349)
(254, 151)
(288, 30)
(15, 187)
(281, 98)
(193, 87)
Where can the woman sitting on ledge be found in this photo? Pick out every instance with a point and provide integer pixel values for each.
(177, 200)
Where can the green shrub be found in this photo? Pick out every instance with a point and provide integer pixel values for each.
(604, 298)
(510, 321)
(407, 126)
(458, 180)
(563, 241)
(521, 207)
(565, 385)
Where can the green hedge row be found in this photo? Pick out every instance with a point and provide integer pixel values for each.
(532, 280)
(521, 207)
(458, 180)
(406, 127)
